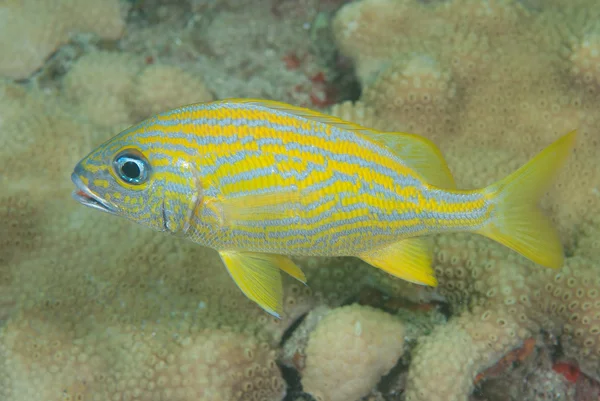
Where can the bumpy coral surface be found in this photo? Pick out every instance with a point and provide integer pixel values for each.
(490, 101)
(113, 88)
(349, 351)
(112, 310)
(31, 30)
(94, 307)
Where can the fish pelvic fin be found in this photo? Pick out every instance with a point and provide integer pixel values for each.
(409, 259)
(258, 276)
(517, 222)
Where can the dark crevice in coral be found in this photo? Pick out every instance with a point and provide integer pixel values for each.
(60, 62)
(344, 82)
(290, 330)
(294, 386)
(391, 386)
(342, 79)
(445, 309)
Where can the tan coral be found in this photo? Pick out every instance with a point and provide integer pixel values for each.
(585, 59)
(54, 280)
(460, 350)
(360, 24)
(100, 84)
(161, 87)
(515, 103)
(68, 363)
(496, 20)
(349, 351)
(115, 89)
(31, 30)
(413, 88)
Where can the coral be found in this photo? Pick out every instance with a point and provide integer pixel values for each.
(68, 363)
(294, 349)
(499, 101)
(498, 298)
(31, 30)
(416, 87)
(244, 49)
(74, 327)
(360, 24)
(112, 88)
(100, 83)
(465, 345)
(161, 87)
(349, 351)
(585, 58)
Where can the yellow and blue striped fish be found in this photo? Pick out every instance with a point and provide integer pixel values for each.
(260, 181)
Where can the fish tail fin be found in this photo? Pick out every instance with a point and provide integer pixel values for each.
(517, 221)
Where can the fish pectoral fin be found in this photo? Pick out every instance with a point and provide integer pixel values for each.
(419, 154)
(274, 205)
(409, 259)
(257, 275)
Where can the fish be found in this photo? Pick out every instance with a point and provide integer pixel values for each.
(261, 182)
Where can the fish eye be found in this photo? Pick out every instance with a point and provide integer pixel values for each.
(132, 167)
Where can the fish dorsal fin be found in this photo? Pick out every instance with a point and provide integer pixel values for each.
(306, 113)
(417, 152)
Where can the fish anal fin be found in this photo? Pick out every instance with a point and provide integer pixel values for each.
(409, 259)
(258, 276)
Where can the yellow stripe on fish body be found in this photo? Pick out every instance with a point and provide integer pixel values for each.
(258, 179)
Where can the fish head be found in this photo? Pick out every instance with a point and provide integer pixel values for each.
(141, 183)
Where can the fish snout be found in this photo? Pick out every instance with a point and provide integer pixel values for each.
(85, 196)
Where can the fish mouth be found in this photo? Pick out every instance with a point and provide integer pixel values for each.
(87, 198)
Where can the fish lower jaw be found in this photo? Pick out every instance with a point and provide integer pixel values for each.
(83, 195)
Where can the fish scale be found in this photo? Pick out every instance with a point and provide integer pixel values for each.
(260, 181)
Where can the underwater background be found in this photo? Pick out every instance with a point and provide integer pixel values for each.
(93, 307)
